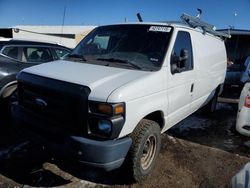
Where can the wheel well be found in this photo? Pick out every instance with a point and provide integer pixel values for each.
(156, 116)
(219, 89)
(8, 89)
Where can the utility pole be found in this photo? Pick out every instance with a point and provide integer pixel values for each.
(64, 13)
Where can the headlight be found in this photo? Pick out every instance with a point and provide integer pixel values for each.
(104, 126)
(103, 109)
(107, 108)
(106, 119)
(100, 127)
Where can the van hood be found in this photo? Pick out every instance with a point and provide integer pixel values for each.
(102, 80)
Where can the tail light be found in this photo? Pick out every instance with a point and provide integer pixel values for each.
(247, 102)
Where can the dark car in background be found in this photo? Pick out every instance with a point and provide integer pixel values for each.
(32, 51)
(16, 55)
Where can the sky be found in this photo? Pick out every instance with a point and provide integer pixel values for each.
(221, 13)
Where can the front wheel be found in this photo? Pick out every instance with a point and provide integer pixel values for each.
(5, 107)
(144, 150)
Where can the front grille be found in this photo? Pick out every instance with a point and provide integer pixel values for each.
(64, 105)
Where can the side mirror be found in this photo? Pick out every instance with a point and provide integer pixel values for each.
(183, 54)
(175, 68)
(178, 63)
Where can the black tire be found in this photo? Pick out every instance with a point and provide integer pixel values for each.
(210, 107)
(146, 142)
(5, 108)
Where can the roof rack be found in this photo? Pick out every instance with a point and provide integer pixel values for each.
(195, 22)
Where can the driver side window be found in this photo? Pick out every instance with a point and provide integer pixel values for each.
(182, 54)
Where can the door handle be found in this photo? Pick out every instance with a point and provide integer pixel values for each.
(192, 88)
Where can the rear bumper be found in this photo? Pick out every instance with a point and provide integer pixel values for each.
(107, 155)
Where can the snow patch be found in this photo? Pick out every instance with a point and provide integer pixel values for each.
(192, 123)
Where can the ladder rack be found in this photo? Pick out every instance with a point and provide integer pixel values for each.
(195, 22)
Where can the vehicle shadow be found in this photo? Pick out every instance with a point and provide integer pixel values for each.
(21, 160)
(24, 166)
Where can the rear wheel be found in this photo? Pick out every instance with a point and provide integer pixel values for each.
(210, 107)
(144, 150)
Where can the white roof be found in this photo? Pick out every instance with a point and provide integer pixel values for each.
(170, 23)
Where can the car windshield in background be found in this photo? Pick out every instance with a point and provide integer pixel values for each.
(141, 47)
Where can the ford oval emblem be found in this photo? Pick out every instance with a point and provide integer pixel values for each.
(41, 103)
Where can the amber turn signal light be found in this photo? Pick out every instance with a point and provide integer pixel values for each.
(119, 109)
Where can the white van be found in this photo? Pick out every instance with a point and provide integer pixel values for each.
(120, 88)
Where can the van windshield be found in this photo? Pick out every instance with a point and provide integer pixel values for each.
(125, 46)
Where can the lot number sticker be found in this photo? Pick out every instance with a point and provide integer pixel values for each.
(160, 29)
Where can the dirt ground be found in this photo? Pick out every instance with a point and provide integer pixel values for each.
(200, 157)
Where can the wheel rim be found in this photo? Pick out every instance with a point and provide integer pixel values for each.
(148, 153)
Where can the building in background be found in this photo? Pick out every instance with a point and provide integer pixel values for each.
(68, 36)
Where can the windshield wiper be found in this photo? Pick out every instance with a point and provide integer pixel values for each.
(115, 60)
(77, 56)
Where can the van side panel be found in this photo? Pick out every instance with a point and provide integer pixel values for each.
(210, 67)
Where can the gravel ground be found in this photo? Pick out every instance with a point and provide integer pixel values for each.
(198, 152)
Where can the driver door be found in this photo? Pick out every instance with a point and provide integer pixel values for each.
(181, 78)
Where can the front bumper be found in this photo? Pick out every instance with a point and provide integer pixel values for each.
(107, 155)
